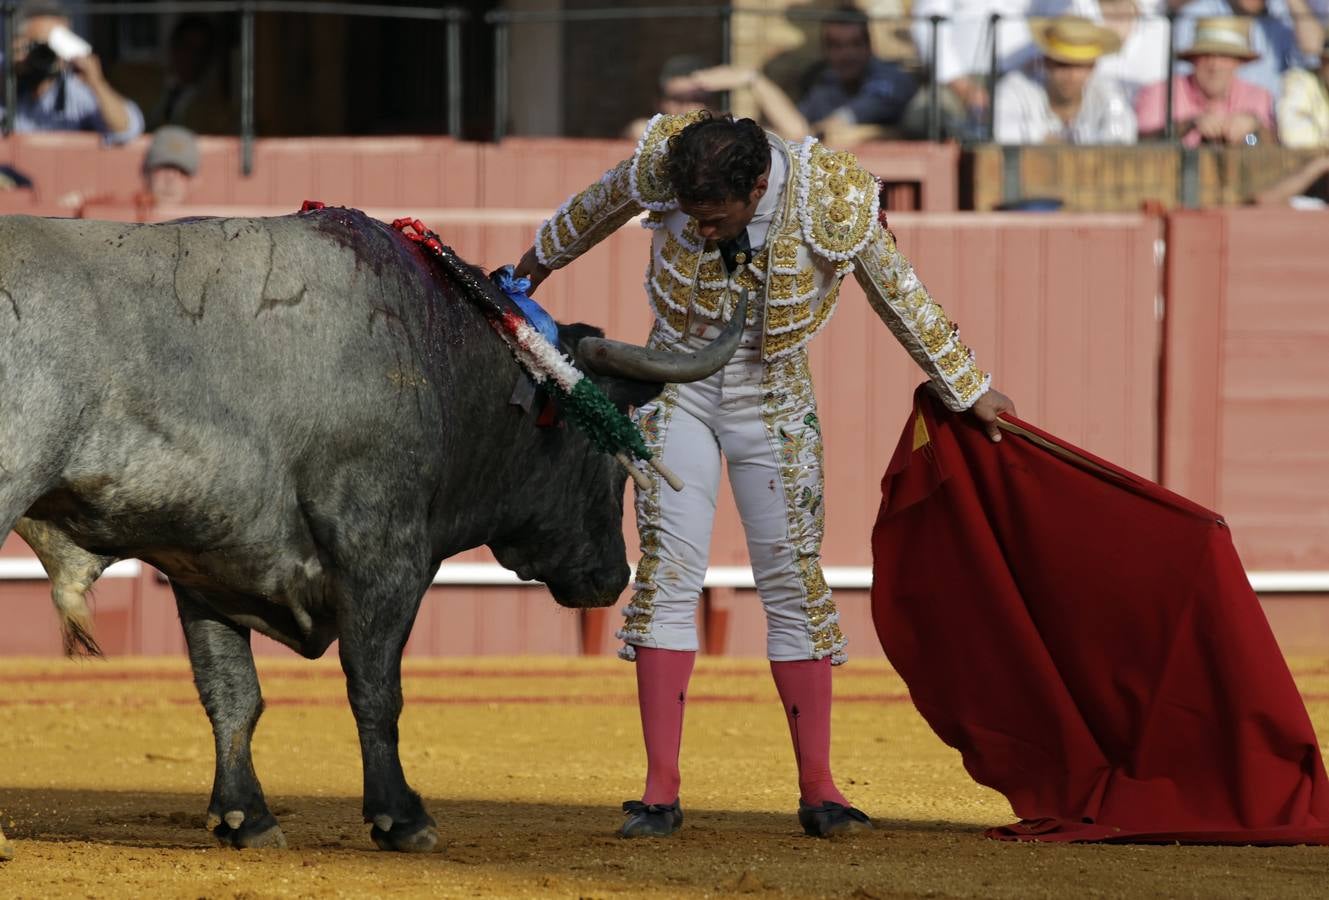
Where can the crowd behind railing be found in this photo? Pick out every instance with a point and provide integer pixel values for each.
(1013, 72)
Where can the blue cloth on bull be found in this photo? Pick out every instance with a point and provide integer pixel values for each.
(516, 289)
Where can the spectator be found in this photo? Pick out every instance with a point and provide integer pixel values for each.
(1065, 101)
(964, 54)
(190, 95)
(1303, 110)
(65, 94)
(169, 167)
(852, 87)
(1211, 104)
(964, 44)
(687, 84)
(1143, 28)
(676, 93)
(1283, 34)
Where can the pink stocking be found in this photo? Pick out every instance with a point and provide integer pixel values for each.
(662, 685)
(805, 691)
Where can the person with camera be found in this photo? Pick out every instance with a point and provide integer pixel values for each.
(61, 86)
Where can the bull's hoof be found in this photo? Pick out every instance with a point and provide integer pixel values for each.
(6, 848)
(404, 837)
(262, 833)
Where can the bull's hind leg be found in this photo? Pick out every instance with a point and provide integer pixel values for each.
(374, 627)
(227, 684)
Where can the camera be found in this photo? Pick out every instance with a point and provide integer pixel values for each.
(41, 61)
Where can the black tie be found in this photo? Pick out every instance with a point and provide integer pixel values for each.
(737, 252)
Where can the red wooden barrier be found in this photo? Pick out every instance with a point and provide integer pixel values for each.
(1247, 378)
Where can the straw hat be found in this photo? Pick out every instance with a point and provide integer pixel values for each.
(1073, 40)
(1221, 36)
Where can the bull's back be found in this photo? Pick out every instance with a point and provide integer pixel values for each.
(263, 309)
(219, 364)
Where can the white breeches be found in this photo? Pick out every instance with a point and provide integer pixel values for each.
(762, 418)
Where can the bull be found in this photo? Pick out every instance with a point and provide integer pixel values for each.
(295, 419)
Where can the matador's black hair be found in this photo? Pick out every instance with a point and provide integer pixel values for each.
(717, 159)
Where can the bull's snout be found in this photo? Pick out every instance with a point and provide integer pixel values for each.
(600, 590)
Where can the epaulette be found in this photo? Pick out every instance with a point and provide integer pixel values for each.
(648, 179)
(837, 201)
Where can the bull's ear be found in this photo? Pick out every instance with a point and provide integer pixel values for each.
(622, 392)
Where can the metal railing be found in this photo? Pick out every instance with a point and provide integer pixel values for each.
(503, 21)
(451, 17)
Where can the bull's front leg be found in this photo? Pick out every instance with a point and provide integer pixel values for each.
(223, 664)
(374, 627)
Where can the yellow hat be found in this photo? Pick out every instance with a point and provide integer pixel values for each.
(1073, 40)
(1221, 36)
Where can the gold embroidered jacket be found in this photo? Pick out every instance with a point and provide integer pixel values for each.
(828, 228)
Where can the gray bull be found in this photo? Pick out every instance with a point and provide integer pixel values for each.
(296, 420)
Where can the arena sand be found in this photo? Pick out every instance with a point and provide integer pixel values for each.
(105, 770)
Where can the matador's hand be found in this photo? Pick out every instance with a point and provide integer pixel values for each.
(989, 407)
(530, 267)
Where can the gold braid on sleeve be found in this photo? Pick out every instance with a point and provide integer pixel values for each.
(919, 322)
(636, 184)
(587, 218)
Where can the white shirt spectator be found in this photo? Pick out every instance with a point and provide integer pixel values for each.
(1023, 115)
(964, 43)
(1142, 58)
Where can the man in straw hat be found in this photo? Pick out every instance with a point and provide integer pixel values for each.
(1303, 110)
(1283, 34)
(1211, 104)
(1064, 101)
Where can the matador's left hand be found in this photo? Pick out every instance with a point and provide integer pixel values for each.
(989, 407)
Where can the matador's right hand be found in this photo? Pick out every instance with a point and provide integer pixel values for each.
(530, 267)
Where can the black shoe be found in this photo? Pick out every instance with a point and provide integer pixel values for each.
(832, 819)
(651, 819)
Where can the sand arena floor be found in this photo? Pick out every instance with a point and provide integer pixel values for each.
(105, 770)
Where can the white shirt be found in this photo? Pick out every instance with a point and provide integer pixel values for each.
(769, 204)
(1023, 115)
(964, 43)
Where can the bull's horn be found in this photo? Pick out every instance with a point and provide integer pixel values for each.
(609, 357)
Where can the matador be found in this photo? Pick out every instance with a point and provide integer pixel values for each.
(732, 209)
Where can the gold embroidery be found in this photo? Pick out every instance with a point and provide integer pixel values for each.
(953, 360)
(565, 235)
(782, 287)
(652, 187)
(581, 218)
(785, 253)
(712, 269)
(840, 195)
(653, 419)
(547, 244)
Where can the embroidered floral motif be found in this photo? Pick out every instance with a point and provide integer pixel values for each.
(653, 420)
(790, 416)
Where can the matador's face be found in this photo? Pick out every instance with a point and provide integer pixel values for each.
(724, 220)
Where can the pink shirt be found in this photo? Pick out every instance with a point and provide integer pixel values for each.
(1189, 103)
